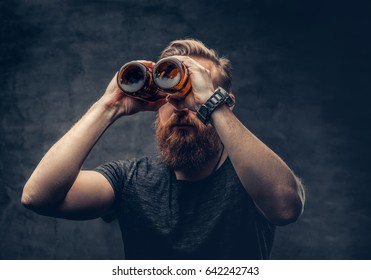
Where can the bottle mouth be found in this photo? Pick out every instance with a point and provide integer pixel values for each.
(167, 73)
(132, 77)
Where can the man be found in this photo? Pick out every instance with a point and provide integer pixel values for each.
(215, 192)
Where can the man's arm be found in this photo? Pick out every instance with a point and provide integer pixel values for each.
(276, 191)
(57, 187)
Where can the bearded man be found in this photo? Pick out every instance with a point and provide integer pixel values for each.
(214, 192)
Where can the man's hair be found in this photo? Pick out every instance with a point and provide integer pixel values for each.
(192, 47)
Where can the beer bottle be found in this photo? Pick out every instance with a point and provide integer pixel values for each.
(171, 77)
(135, 80)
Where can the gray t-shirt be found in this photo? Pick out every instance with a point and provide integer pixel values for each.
(165, 218)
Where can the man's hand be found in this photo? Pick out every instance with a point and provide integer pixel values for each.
(120, 104)
(202, 83)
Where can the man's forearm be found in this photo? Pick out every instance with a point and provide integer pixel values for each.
(267, 179)
(57, 171)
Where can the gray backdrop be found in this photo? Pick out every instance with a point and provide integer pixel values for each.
(301, 78)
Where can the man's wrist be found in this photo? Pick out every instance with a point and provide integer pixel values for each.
(222, 111)
(105, 110)
(217, 99)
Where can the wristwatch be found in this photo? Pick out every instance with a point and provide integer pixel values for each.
(219, 97)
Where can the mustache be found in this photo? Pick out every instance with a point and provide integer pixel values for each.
(182, 119)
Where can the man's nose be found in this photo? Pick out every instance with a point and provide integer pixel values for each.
(178, 104)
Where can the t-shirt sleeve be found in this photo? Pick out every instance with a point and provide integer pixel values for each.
(113, 172)
(116, 174)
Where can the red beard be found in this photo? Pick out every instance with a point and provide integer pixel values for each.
(186, 147)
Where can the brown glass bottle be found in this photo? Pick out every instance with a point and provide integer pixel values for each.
(171, 77)
(168, 77)
(135, 80)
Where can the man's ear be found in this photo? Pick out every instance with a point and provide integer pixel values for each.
(234, 99)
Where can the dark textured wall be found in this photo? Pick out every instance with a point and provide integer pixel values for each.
(301, 77)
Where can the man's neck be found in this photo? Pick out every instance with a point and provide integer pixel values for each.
(203, 171)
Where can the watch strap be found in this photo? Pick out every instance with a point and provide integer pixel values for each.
(219, 97)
